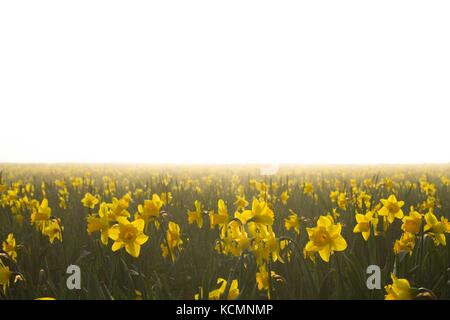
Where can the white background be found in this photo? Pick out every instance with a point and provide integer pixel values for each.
(225, 81)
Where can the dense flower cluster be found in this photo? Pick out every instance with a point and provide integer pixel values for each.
(218, 234)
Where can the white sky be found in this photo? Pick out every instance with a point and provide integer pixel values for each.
(225, 81)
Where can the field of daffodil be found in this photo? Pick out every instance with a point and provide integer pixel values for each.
(224, 232)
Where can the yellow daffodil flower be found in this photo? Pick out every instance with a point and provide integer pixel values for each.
(260, 213)
(118, 208)
(436, 229)
(292, 222)
(166, 197)
(129, 235)
(364, 223)
(412, 222)
(89, 201)
(406, 243)
(284, 197)
(53, 230)
(42, 213)
(342, 201)
(197, 215)
(235, 238)
(308, 188)
(217, 294)
(150, 210)
(262, 279)
(391, 208)
(174, 241)
(334, 195)
(325, 238)
(5, 275)
(240, 202)
(100, 223)
(221, 218)
(9, 247)
(398, 290)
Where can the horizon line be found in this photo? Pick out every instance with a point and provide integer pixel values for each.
(225, 163)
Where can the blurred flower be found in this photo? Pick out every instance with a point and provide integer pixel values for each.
(398, 290)
(217, 294)
(342, 201)
(240, 202)
(174, 241)
(292, 222)
(263, 279)
(100, 223)
(308, 188)
(42, 213)
(53, 230)
(9, 247)
(221, 218)
(284, 197)
(197, 215)
(334, 195)
(89, 201)
(166, 197)
(5, 275)
(406, 243)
